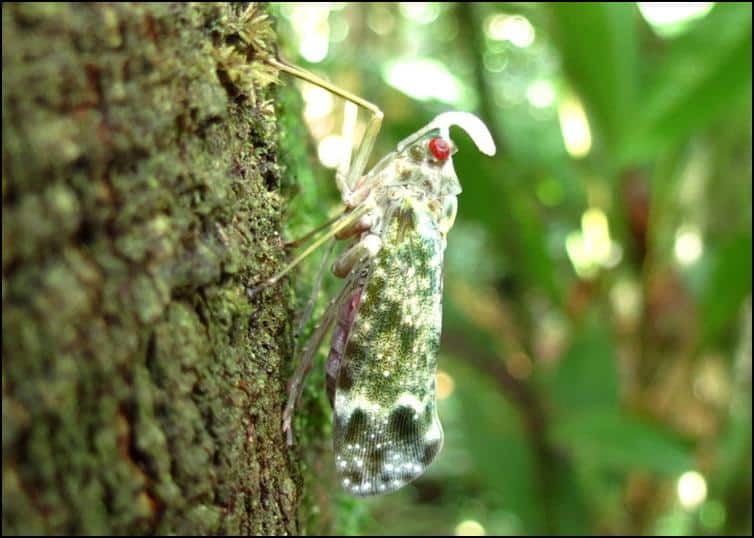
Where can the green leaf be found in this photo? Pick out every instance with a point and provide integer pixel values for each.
(587, 375)
(598, 47)
(614, 441)
(569, 507)
(733, 459)
(705, 73)
(729, 283)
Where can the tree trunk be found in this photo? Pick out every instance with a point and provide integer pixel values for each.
(142, 390)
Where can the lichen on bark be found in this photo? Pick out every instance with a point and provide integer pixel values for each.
(142, 387)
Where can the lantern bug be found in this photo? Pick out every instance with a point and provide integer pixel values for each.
(381, 368)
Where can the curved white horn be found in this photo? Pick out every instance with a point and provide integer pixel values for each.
(475, 128)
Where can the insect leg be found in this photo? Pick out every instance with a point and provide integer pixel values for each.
(296, 384)
(345, 184)
(368, 247)
(312, 233)
(363, 224)
(306, 314)
(352, 217)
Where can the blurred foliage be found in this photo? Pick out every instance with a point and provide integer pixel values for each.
(597, 327)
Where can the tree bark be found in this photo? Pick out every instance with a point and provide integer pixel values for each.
(141, 187)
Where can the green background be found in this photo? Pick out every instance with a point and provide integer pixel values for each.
(597, 324)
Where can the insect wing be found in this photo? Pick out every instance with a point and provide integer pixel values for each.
(386, 426)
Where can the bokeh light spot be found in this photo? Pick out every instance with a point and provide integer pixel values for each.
(513, 28)
(591, 247)
(470, 527)
(330, 150)
(671, 18)
(688, 245)
(540, 94)
(445, 385)
(574, 127)
(319, 102)
(420, 12)
(691, 489)
(426, 79)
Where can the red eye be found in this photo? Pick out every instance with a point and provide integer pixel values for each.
(439, 148)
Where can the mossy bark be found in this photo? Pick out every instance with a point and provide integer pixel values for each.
(142, 386)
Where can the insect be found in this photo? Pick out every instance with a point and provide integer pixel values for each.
(381, 368)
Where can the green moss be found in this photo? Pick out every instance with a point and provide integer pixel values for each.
(142, 388)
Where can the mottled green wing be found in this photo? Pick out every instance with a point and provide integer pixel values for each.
(386, 427)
